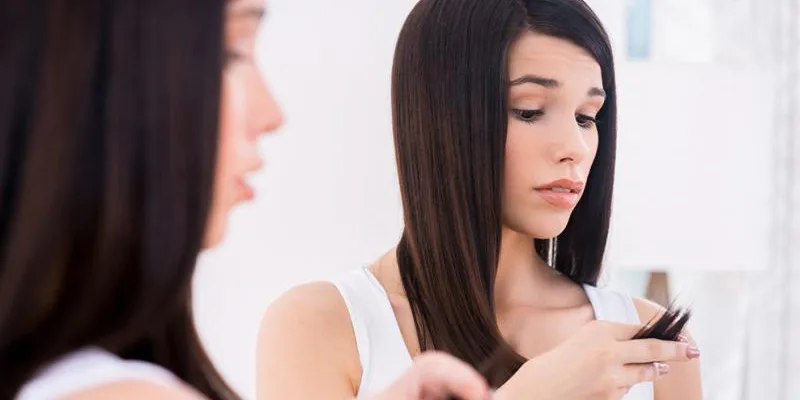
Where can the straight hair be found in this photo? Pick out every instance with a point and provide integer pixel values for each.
(450, 113)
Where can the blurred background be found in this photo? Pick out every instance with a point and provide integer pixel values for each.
(707, 195)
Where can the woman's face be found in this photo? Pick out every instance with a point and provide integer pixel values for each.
(247, 113)
(555, 93)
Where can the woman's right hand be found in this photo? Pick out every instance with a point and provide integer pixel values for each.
(438, 376)
(598, 362)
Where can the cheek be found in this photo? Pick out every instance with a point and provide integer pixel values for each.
(592, 143)
(522, 145)
(521, 155)
(232, 123)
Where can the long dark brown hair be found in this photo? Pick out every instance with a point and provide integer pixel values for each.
(108, 135)
(450, 111)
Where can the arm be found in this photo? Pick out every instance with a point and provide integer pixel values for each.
(306, 347)
(683, 380)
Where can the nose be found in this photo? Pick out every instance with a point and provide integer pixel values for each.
(266, 115)
(570, 143)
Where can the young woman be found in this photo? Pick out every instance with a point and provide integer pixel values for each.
(504, 126)
(127, 132)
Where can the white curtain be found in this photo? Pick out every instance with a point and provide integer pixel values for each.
(771, 370)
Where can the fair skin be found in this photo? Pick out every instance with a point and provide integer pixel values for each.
(556, 92)
(248, 112)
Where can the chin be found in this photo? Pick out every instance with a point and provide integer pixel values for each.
(540, 227)
(211, 242)
(547, 233)
(214, 236)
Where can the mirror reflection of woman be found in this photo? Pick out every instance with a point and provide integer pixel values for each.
(504, 118)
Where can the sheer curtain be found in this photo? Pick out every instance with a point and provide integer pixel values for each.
(756, 341)
(772, 367)
(747, 321)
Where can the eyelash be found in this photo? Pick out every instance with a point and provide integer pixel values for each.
(528, 116)
(585, 121)
(531, 116)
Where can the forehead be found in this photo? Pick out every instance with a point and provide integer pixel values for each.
(551, 57)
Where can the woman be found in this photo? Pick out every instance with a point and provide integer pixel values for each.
(501, 109)
(127, 132)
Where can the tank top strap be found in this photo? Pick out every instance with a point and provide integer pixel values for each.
(613, 306)
(381, 348)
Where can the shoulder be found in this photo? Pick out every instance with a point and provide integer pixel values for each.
(650, 311)
(306, 336)
(683, 381)
(94, 370)
(647, 309)
(130, 390)
(305, 306)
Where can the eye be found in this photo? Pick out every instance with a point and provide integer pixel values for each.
(232, 57)
(529, 116)
(585, 121)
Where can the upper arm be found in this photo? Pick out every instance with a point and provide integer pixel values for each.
(306, 346)
(683, 381)
(135, 390)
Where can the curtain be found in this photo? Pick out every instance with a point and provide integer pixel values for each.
(772, 355)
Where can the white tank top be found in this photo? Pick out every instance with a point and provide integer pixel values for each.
(382, 350)
(88, 369)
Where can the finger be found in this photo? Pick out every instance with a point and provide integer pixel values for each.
(645, 351)
(633, 374)
(440, 375)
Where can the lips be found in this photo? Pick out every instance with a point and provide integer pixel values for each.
(563, 193)
(247, 191)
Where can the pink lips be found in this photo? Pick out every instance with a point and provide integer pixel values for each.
(563, 193)
(247, 191)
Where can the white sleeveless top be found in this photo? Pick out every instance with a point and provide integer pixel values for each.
(89, 369)
(382, 351)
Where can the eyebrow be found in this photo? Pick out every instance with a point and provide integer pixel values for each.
(253, 12)
(551, 84)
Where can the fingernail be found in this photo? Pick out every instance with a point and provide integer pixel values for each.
(662, 369)
(683, 339)
(692, 352)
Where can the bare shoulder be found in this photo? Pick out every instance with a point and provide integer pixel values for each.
(683, 381)
(306, 313)
(647, 309)
(133, 390)
(317, 303)
(306, 336)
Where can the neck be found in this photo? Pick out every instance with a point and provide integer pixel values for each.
(523, 278)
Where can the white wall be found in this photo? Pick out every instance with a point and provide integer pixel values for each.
(693, 184)
(328, 201)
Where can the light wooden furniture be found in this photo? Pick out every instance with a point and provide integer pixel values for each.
(658, 288)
